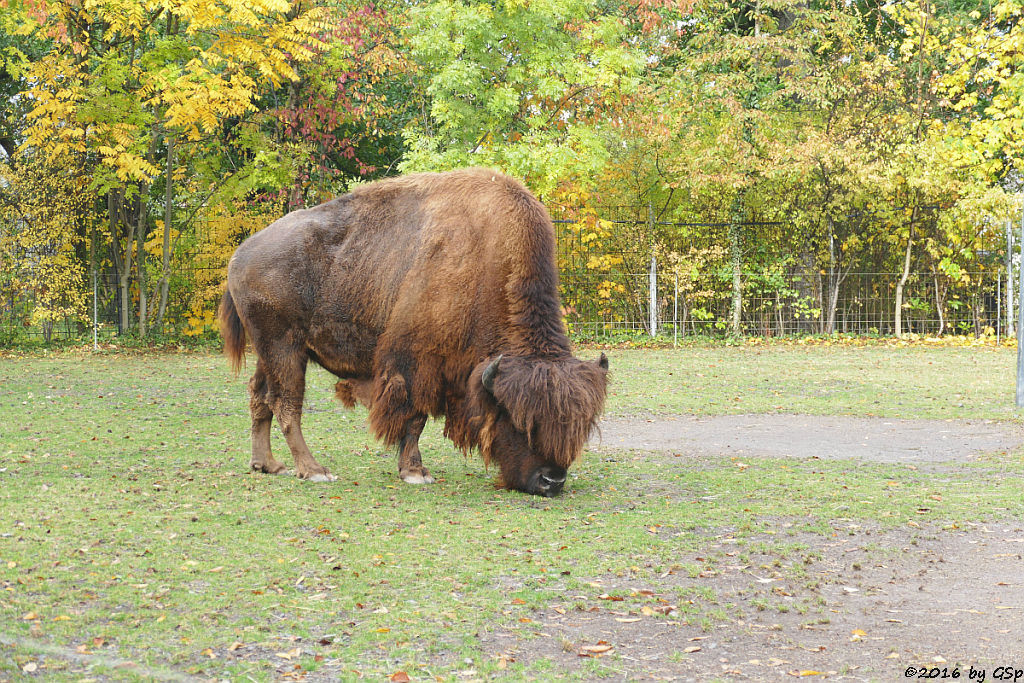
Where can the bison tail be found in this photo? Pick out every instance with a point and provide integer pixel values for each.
(232, 331)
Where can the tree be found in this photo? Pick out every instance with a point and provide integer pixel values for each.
(516, 85)
(126, 83)
(40, 198)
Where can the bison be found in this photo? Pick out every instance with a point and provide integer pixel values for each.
(426, 295)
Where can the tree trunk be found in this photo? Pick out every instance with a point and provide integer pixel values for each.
(903, 278)
(778, 314)
(122, 258)
(736, 259)
(140, 253)
(835, 279)
(165, 270)
(939, 304)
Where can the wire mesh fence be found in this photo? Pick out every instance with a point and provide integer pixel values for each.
(605, 292)
(607, 304)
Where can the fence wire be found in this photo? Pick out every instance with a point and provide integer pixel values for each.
(614, 296)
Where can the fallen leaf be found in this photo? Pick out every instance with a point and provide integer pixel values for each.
(629, 620)
(234, 646)
(30, 667)
(613, 598)
(592, 650)
(692, 648)
(29, 616)
(208, 652)
(291, 654)
(518, 601)
(399, 677)
(806, 672)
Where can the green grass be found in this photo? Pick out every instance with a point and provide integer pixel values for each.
(135, 543)
(913, 382)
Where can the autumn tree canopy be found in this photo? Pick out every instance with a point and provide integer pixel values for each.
(142, 139)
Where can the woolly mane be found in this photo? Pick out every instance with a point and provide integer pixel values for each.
(554, 402)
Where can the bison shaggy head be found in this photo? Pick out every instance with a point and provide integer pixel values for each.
(535, 415)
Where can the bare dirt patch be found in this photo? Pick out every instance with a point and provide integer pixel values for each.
(861, 604)
(870, 605)
(806, 436)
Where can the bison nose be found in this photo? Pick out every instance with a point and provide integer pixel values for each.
(549, 481)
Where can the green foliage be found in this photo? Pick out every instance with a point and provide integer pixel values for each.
(782, 140)
(519, 85)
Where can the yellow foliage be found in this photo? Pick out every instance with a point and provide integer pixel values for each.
(225, 227)
(107, 94)
(42, 221)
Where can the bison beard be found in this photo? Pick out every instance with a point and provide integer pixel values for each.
(427, 295)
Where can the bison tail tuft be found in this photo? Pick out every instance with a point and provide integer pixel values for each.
(232, 331)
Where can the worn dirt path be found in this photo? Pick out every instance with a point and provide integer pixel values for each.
(874, 605)
(805, 436)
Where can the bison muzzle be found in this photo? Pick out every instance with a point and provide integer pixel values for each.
(433, 294)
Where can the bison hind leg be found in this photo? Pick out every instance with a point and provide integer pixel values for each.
(284, 377)
(259, 407)
(410, 462)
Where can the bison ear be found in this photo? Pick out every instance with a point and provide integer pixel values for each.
(603, 361)
(487, 378)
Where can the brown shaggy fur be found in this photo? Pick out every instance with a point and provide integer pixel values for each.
(407, 289)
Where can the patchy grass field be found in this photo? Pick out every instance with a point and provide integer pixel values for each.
(134, 543)
(913, 382)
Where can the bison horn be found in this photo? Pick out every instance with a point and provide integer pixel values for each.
(603, 361)
(489, 372)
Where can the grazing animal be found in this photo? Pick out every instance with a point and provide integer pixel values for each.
(427, 295)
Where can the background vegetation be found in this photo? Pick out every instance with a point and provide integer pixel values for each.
(744, 144)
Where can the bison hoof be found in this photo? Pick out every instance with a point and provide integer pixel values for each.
(320, 477)
(270, 468)
(417, 477)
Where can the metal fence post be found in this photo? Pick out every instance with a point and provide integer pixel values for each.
(1010, 325)
(675, 313)
(654, 295)
(653, 284)
(1020, 322)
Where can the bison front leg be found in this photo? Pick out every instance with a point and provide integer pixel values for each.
(410, 464)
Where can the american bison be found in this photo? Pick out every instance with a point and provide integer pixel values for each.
(427, 295)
